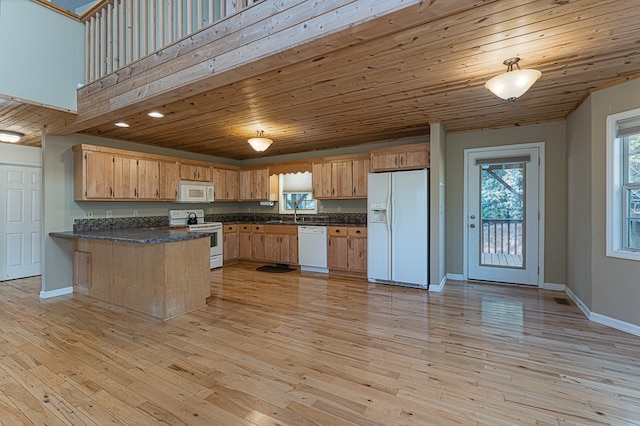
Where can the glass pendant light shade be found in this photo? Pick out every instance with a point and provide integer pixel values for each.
(514, 83)
(260, 143)
(9, 136)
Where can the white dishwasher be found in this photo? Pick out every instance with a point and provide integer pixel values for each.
(312, 248)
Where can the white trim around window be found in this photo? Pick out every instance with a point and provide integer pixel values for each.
(615, 212)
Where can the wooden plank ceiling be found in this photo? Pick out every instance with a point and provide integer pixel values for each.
(372, 76)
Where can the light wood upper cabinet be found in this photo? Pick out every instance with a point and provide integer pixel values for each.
(94, 175)
(225, 184)
(168, 180)
(404, 157)
(148, 179)
(360, 177)
(195, 172)
(340, 179)
(254, 185)
(125, 178)
(321, 180)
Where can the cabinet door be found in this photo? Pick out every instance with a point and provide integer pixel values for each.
(414, 159)
(341, 179)
(168, 184)
(388, 161)
(231, 248)
(360, 176)
(321, 180)
(99, 176)
(188, 171)
(232, 184)
(289, 249)
(337, 252)
(219, 184)
(246, 185)
(148, 179)
(272, 247)
(245, 243)
(260, 183)
(125, 178)
(203, 173)
(357, 255)
(257, 246)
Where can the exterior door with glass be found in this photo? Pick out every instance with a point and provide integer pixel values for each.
(503, 215)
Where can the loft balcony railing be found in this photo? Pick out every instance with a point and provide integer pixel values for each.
(119, 32)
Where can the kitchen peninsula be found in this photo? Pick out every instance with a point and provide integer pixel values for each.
(156, 271)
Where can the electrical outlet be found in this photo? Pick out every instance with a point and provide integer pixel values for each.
(135, 213)
(109, 213)
(249, 209)
(321, 209)
(339, 209)
(88, 214)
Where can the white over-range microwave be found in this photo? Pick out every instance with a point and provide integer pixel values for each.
(195, 192)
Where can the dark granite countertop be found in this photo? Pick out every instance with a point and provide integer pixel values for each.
(134, 235)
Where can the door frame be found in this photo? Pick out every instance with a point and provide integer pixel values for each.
(541, 204)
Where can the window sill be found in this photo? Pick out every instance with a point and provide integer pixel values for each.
(624, 254)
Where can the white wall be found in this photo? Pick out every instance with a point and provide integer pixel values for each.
(42, 54)
(18, 154)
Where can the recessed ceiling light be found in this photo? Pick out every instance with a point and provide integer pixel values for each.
(155, 114)
(121, 124)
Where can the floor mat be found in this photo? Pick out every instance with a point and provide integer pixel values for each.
(275, 269)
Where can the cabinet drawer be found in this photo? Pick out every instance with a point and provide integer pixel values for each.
(357, 231)
(257, 228)
(337, 231)
(245, 227)
(230, 229)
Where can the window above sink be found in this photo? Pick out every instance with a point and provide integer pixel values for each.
(295, 194)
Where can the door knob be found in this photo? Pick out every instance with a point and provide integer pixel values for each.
(472, 226)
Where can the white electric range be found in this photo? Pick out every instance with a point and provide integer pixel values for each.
(194, 221)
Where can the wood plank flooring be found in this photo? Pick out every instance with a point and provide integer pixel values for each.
(303, 349)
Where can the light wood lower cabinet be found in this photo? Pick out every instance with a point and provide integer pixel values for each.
(245, 241)
(281, 244)
(231, 243)
(257, 242)
(347, 248)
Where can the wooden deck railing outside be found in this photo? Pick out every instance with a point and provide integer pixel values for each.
(119, 32)
(502, 236)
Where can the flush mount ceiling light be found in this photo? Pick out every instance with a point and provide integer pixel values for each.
(260, 143)
(9, 136)
(121, 124)
(155, 114)
(514, 83)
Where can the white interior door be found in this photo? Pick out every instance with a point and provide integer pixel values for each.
(20, 222)
(503, 215)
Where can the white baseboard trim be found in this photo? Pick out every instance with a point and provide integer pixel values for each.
(614, 323)
(603, 319)
(585, 310)
(553, 286)
(438, 288)
(55, 293)
(456, 277)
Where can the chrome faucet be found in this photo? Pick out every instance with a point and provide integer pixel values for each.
(295, 211)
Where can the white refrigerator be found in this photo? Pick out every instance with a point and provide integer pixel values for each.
(398, 228)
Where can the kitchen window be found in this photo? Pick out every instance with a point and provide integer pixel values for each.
(623, 185)
(296, 194)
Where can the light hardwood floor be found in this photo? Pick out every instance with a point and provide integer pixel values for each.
(304, 349)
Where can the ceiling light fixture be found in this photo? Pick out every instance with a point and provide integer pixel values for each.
(155, 114)
(260, 143)
(514, 83)
(9, 136)
(122, 124)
